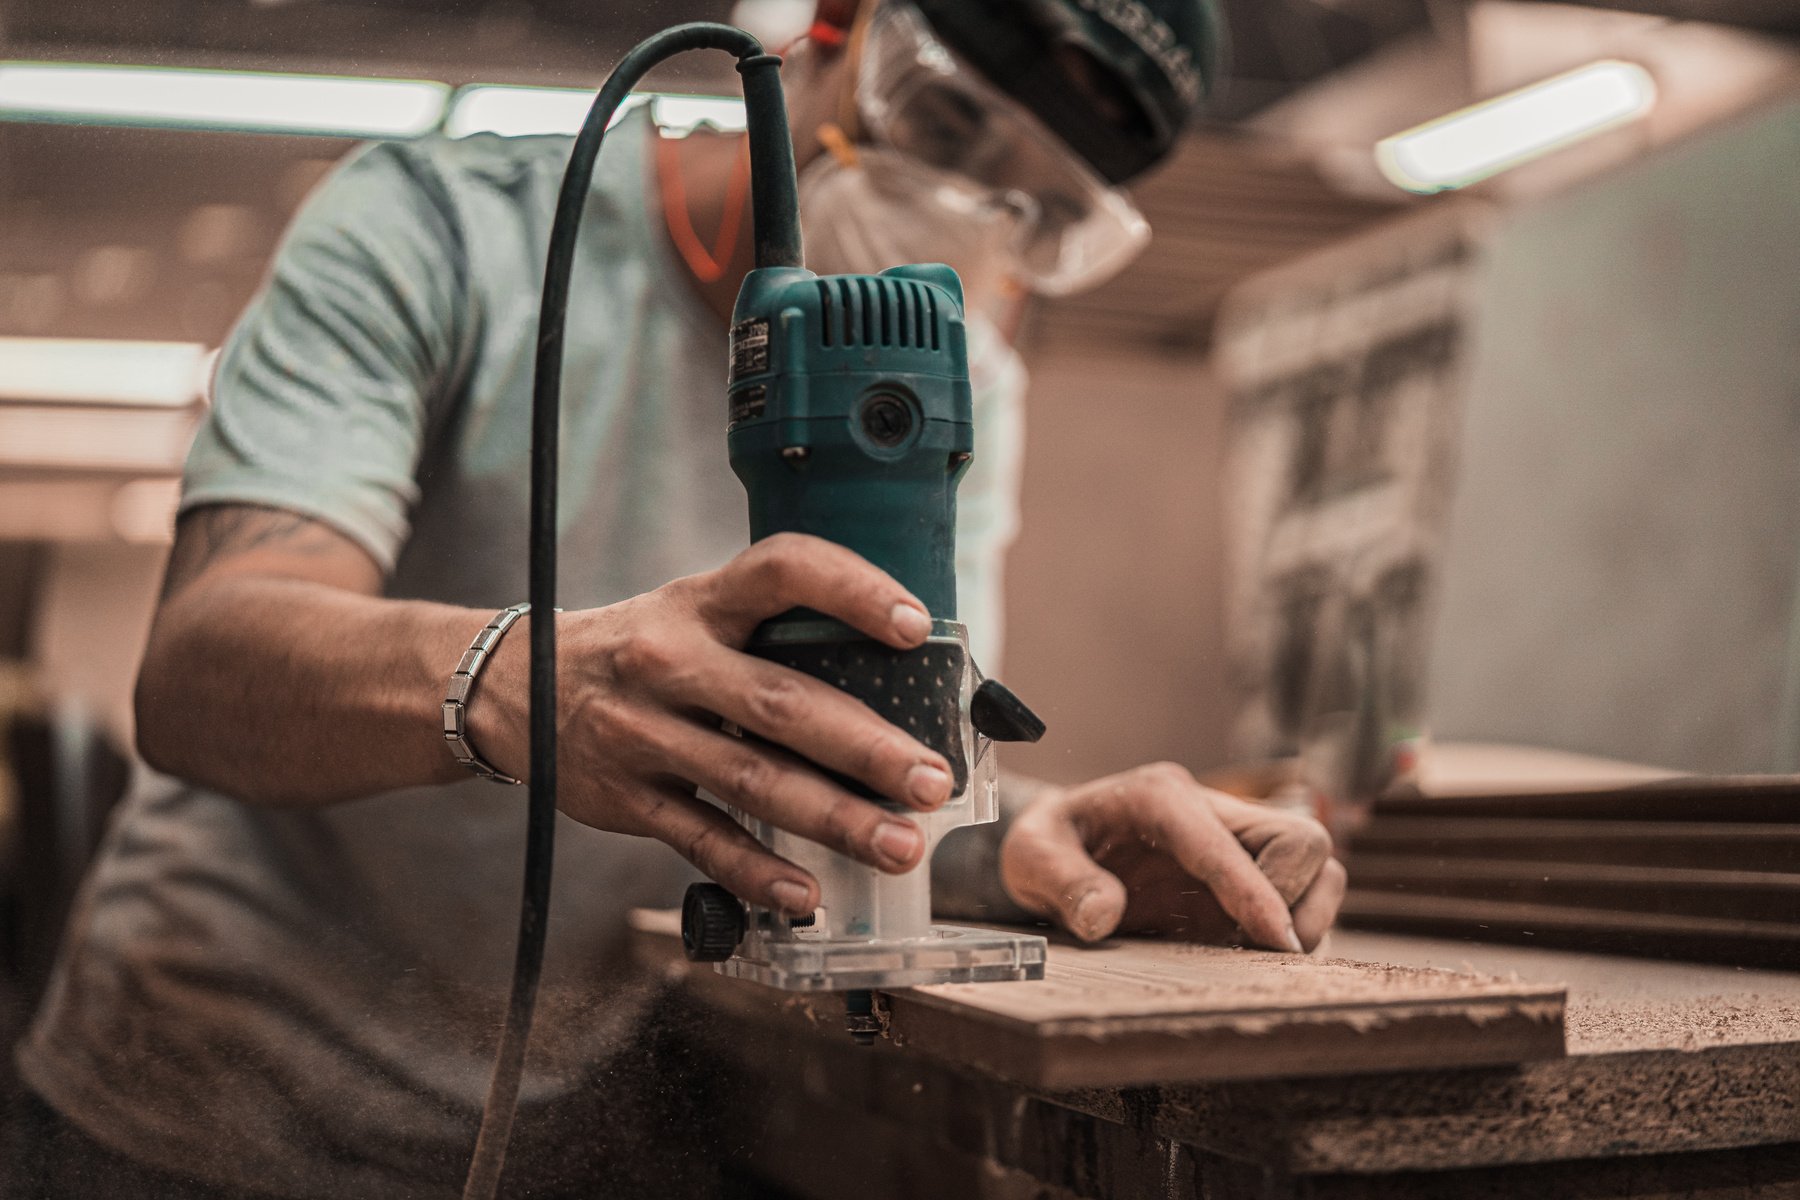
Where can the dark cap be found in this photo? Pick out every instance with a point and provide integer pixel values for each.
(1115, 79)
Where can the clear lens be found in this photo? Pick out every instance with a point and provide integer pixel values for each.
(919, 101)
(1065, 257)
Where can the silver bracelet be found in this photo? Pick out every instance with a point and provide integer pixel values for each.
(462, 682)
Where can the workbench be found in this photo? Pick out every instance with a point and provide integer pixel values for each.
(1573, 1075)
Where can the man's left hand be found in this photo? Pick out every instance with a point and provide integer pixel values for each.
(1152, 851)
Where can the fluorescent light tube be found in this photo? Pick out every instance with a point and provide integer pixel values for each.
(522, 111)
(1487, 138)
(684, 114)
(327, 105)
(98, 371)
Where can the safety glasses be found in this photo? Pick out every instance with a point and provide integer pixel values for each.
(1070, 229)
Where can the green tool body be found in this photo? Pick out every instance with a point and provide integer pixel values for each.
(851, 419)
(851, 416)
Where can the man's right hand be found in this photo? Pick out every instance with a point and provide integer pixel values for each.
(644, 683)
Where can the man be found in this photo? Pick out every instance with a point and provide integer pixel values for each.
(286, 973)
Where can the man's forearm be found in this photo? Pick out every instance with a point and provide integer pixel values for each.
(965, 871)
(288, 691)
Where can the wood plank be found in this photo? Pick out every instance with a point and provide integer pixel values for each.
(1134, 1012)
(1673, 891)
(1704, 939)
(1710, 799)
(1280, 1135)
(1743, 846)
(1621, 1005)
(1665, 1059)
(1584, 1107)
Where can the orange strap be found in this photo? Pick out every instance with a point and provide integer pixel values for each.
(826, 34)
(707, 266)
(837, 143)
(832, 20)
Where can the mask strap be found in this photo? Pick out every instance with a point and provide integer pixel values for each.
(707, 266)
(837, 143)
(849, 120)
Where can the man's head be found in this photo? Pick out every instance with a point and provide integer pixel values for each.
(991, 134)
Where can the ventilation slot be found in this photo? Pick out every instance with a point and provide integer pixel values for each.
(889, 302)
(850, 300)
(877, 312)
(907, 296)
(867, 290)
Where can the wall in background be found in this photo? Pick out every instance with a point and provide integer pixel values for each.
(1114, 590)
(93, 616)
(1621, 567)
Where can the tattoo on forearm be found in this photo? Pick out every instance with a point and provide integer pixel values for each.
(210, 535)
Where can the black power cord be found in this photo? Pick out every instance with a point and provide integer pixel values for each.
(775, 208)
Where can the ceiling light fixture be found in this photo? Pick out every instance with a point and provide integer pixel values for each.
(522, 111)
(101, 371)
(1487, 138)
(259, 102)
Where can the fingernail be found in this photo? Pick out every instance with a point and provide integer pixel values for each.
(928, 785)
(911, 624)
(1087, 919)
(1293, 942)
(898, 841)
(790, 897)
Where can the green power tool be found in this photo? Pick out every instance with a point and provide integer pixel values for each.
(850, 419)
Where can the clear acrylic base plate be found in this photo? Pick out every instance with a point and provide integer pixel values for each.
(949, 954)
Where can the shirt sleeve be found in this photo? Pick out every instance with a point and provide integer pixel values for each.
(987, 503)
(319, 400)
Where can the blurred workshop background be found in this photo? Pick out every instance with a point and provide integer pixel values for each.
(1456, 400)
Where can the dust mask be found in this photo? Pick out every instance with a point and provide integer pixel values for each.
(870, 208)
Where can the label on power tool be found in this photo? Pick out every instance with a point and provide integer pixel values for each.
(748, 404)
(749, 348)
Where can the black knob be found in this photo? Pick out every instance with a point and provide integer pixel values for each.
(999, 714)
(712, 923)
(886, 419)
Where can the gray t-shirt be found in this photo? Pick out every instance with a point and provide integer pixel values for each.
(305, 1000)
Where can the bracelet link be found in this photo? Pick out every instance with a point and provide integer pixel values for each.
(462, 686)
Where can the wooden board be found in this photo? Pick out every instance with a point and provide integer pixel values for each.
(1670, 1065)
(1712, 799)
(1135, 1012)
(1654, 891)
(1652, 935)
(1720, 846)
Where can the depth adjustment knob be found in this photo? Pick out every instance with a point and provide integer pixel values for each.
(886, 419)
(998, 714)
(712, 923)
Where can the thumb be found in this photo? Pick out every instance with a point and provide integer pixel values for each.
(1046, 868)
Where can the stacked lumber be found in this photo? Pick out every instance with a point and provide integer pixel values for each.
(1139, 1070)
(1703, 869)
